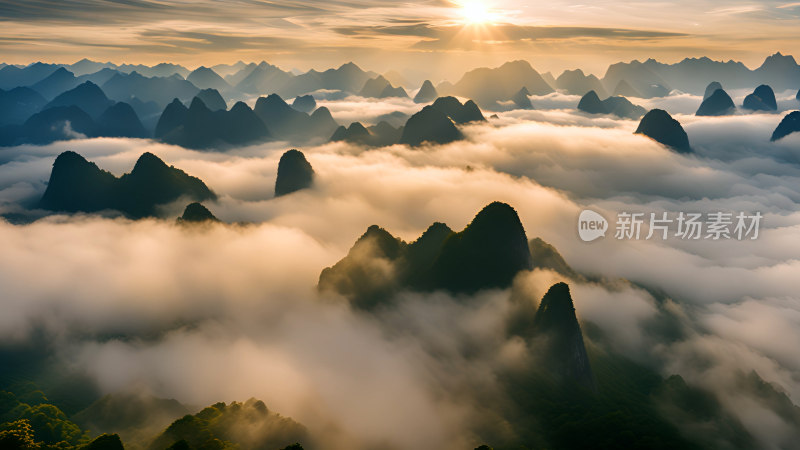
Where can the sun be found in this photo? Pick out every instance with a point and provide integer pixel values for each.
(475, 12)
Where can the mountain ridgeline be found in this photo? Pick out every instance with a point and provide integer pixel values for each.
(487, 254)
(77, 185)
(658, 125)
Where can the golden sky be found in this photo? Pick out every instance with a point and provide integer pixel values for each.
(440, 36)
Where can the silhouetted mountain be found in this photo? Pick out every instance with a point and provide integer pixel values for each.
(57, 82)
(380, 135)
(487, 254)
(624, 89)
(427, 93)
(267, 78)
(288, 123)
(203, 128)
(196, 213)
(430, 125)
(564, 351)
(575, 82)
(87, 66)
(645, 81)
(148, 112)
(711, 88)
(120, 120)
(461, 114)
(212, 99)
(658, 125)
(294, 173)
(58, 123)
(87, 96)
(789, 124)
(781, 71)
(161, 70)
(12, 76)
(355, 133)
(380, 87)
(545, 256)
(224, 70)
(521, 99)
(249, 425)
(488, 86)
(384, 134)
(105, 442)
(719, 104)
(762, 99)
(619, 106)
(174, 116)
(79, 185)
(156, 89)
(304, 103)
(549, 79)
(18, 104)
(135, 417)
(205, 78)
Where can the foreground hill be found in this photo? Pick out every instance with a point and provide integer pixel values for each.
(77, 185)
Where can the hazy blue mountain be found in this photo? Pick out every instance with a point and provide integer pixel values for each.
(575, 82)
(225, 70)
(212, 99)
(711, 88)
(488, 86)
(18, 104)
(264, 78)
(427, 93)
(161, 70)
(624, 89)
(202, 128)
(356, 133)
(205, 78)
(380, 87)
(521, 99)
(286, 122)
(87, 66)
(13, 76)
(156, 89)
(693, 74)
(641, 77)
(120, 120)
(294, 173)
(780, 71)
(789, 124)
(77, 185)
(380, 135)
(58, 123)
(658, 125)
(304, 103)
(718, 104)
(87, 96)
(619, 106)
(762, 99)
(57, 82)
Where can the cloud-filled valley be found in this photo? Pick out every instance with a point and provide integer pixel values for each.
(229, 310)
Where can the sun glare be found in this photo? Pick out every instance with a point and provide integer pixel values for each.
(475, 12)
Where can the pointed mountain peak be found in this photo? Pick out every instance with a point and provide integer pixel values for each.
(198, 105)
(294, 173)
(70, 159)
(718, 104)
(147, 163)
(197, 213)
(658, 125)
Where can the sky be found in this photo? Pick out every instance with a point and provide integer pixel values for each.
(445, 37)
